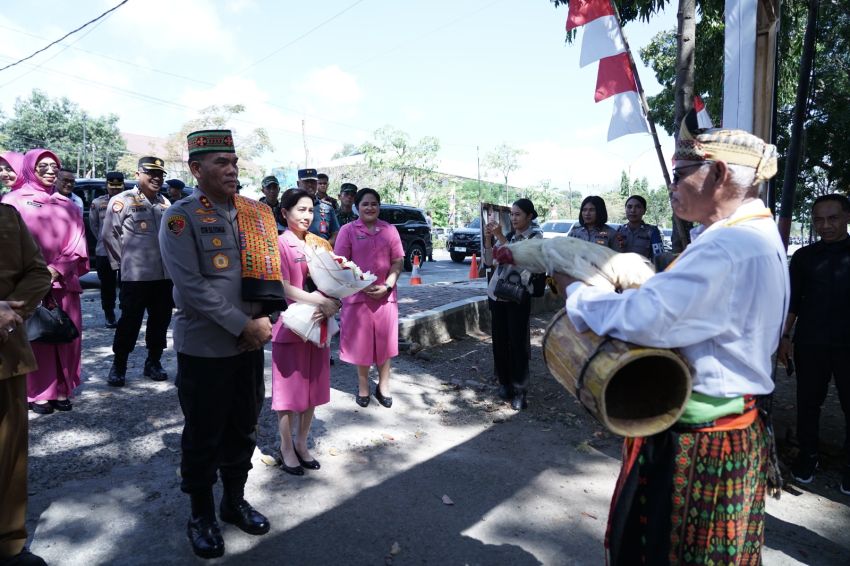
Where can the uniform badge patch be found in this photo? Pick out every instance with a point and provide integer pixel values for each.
(143, 225)
(209, 220)
(204, 211)
(216, 242)
(117, 206)
(176, 224)
(220, 261)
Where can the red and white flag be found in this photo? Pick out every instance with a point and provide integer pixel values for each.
(603, 41)
(601, 36)
(703, 119)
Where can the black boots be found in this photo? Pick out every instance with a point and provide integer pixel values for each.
(153, 369)
(236, 511)
(118, 371)
(519, 403)
(202, 529)
(110, 319)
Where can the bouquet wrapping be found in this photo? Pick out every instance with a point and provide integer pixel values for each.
(334, 276)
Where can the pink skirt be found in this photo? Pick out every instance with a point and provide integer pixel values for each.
(301, 376)
(368, 332)
(59, 365)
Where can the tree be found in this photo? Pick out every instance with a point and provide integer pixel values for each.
(249, 144)
(504, 160)
(411, 167)
(60, 126)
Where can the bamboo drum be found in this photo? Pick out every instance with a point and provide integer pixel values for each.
(632, 390)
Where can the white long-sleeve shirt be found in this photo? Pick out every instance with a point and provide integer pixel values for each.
(722, 304)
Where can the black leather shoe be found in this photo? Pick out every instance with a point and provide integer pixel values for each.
(311, 465)
(110, 319)
(117, 373)
(362, 400)
(61, 405)
(205, 536)
(153, 370)
(23, 558)
(385, 401)
(506, 393)
(41, 408)
(519, 403)
(245, 517)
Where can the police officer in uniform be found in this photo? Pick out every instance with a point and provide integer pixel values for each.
(325, 223)
(130, 236)
(322, 182)
(108, 276)
(220, 328)
(271, 192)
(636, 235)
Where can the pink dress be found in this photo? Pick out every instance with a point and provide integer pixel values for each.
(57, 226)
(369, 327)
(301, 371)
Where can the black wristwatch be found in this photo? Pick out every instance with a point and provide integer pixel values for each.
(389, 288)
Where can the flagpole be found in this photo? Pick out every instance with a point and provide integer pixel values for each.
(683, 233)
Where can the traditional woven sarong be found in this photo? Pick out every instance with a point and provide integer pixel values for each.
(261, 276)
(692, 495)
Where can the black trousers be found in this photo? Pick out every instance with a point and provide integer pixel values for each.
(816, 366)
(136, 298)
(511, 342)
(109, 280)
(221, 400)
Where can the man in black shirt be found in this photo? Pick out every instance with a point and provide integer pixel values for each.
(271, 190)
(820, 307)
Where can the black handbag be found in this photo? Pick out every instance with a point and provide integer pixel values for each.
(50, 324)
(511, 288)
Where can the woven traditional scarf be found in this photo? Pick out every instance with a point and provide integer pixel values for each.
(261, 276)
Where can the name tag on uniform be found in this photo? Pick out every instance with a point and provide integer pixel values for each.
(212, 230)
(361, 237)
(35, 204)
(300, 259)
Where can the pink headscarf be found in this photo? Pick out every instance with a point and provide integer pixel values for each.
(16, 162)
(31, 158)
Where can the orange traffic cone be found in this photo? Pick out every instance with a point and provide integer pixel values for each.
(473, 268)
(415, 279)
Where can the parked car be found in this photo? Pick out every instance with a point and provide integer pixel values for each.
(88, 190)
(413, 229)
(556, 228)
(463, 242)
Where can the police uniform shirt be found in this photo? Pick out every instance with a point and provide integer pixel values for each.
(200, 245)
(130, 235)
(646, 240)
(97, 211)
(325, 223)
(606, 236)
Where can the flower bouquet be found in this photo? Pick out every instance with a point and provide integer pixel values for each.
(334, 276)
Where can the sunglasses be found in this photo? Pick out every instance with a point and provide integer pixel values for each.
(47, 166)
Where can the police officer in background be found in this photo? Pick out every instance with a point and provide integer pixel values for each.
(325, 223)
(108, 276)
(636, 235)
(176, 189)
(130, 236)
(220, 328)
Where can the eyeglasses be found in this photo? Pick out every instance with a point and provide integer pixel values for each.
(677, 177)
(42, 167)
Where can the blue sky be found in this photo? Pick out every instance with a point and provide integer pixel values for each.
(470, 72)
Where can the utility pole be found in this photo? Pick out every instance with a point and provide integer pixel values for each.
(304, 139)
(478, 159)
(84, 145)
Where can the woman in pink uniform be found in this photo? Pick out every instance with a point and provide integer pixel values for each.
(300, 370)
(57, 226)
(11, 166)
(369, 326)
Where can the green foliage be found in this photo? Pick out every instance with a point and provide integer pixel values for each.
(411, 166)
(57, 124)
(503, 160)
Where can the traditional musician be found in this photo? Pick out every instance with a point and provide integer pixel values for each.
(695, 493)
(221, 252)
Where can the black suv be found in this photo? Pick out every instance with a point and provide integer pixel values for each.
(463, 242)
(88, 190)
(413, 229)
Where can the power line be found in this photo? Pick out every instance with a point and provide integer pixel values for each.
(49, 45)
